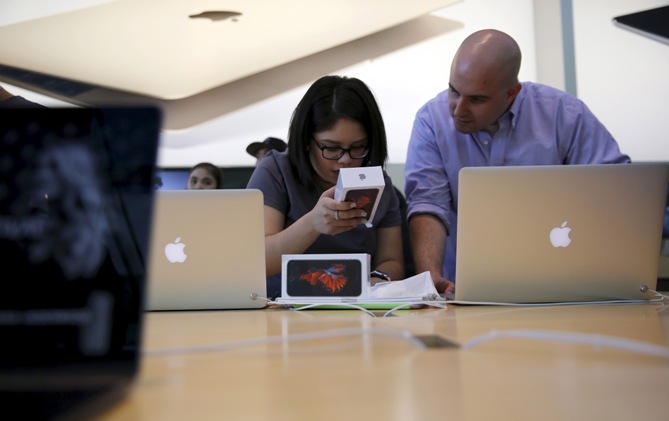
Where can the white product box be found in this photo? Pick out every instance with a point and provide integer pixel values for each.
(363, 185)
(338, 276)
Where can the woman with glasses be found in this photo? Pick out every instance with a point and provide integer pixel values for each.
(336, 124)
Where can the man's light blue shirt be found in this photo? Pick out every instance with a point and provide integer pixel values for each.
(544, 126)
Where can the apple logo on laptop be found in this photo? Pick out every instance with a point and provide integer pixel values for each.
(560, 235)
(175, 251)
(217, 15)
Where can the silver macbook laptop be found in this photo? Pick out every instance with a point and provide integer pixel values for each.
(186, 55)
(564, 233)
(207, 250)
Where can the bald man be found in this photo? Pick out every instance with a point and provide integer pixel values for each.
(487, 117)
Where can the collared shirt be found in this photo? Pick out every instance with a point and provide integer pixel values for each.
(544, 126)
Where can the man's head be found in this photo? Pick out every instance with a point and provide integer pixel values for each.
(484, 79)
(260, 149)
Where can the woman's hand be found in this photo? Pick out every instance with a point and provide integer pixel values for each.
(332, 217)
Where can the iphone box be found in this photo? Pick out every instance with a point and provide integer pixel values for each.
(362, 185)
(339, 277)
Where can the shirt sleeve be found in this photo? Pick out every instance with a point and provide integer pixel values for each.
(590, 141)
(269, 180)
(427, 187)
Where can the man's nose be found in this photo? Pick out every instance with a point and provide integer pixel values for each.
(460, 107)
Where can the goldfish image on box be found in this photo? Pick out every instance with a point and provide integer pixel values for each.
(363, 198)
(336, 278)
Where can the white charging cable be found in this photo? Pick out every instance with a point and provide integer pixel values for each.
(599, 341)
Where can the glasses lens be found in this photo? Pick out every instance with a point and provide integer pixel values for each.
(359, 152)
(332, 153)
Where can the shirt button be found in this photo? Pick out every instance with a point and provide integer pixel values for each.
(485, 142)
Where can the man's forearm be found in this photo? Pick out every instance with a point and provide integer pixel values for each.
(428, 243)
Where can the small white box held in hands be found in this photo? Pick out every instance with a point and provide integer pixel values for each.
(362, 185)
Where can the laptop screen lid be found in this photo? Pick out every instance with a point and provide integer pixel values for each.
(563, 233)
(199, 60)
(76, 199)
(208, 250)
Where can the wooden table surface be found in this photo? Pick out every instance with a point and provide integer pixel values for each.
(345, 364)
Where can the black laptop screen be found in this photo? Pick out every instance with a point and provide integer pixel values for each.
(76, 198)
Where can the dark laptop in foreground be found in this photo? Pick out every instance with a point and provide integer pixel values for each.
(559, 234)
(76, 198)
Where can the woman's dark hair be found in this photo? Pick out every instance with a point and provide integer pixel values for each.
(327, 100)
(213, 170)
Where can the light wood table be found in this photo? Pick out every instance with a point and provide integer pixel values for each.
(270, 365)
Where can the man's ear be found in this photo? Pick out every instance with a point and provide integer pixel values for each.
(513, 90)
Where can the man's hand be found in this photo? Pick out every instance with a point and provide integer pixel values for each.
(443, 285)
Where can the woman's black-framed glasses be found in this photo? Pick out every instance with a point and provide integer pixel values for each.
(335, 152)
